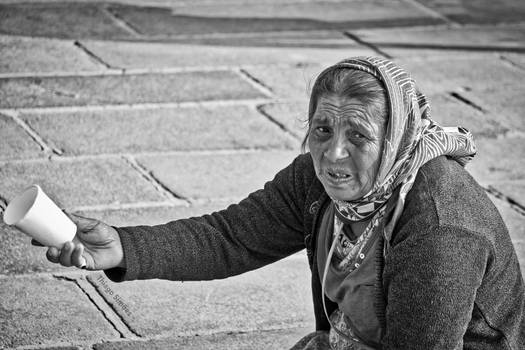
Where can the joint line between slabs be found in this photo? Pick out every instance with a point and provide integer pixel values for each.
(283, 127)
(452, 47)
(121, 332)
(93, 55)
(431, 12)
(518, 207)
(158, 185)
(121, 22)
(468, 102)
(259, 85)
(33, 134)
(137, 106)
(126, 206)
(361, 42)
(511, 63)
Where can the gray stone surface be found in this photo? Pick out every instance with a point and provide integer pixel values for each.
(19, 256)
(216, 176)
(58, 19)
(461, 70)
(472, 37)
(43, 310)
(514, 220)
(497, 165)
(79, 183)
(292, 115)
(286, 82)
(261, 340)
(516, 59)
(123, 89)
(15, 143)
(152, 215)
(232, 18)
(278, 48)
(503, 103)
(23, 55)
(520, 250)
(165, 129)
(480, 11)
(449, 111)
(255, 300)
(330, 41)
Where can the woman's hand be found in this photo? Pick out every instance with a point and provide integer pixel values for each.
(96, 246)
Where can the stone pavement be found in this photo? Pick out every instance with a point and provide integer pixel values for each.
(140, 112)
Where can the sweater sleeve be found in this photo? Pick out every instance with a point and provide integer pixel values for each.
(431, 281)
(264, 227)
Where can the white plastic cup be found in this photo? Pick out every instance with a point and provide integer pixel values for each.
(35, 214)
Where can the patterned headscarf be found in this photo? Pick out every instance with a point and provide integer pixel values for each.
(412, 138)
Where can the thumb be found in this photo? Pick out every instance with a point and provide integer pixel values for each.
(82, 222)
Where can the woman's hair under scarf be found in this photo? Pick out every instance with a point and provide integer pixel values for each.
(412, 138)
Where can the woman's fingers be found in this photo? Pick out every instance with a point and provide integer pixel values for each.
(76, 257)
(36, 243)
(69, 255)
(53, 255)
(65, 254)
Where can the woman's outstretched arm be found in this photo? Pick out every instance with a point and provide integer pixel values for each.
(264, 227)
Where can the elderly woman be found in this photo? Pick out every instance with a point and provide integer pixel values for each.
(406, 250)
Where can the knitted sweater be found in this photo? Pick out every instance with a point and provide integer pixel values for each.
(450, 280)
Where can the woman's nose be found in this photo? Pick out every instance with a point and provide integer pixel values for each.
(337, 149)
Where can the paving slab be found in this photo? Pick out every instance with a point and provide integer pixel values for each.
(64, 315)
(164, 129)
(505, 104)
(217, 176)
(480, 11)
(152, 215)
(42, 55)
(497, 165)
(460, 71)
(510, 37)
(289, 82)
(124, 89)
(15, 143)
(520, 250)
(273, 297)
(232, 18)
(293, 115)
(516, 59)
(514, 220)
(330, 41)
(262, 340)
(281, 48)
(83, 182)
(60, 20)
(450, 111)
(19, 256)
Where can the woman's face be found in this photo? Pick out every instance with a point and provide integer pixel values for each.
(345, 142)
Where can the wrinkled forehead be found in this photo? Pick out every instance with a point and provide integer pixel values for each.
(341, 109)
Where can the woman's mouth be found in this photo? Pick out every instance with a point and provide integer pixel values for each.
(337, 177)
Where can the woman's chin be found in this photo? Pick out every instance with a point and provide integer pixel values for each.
(342, 194)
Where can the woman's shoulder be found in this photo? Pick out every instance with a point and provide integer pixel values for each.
(445, 194)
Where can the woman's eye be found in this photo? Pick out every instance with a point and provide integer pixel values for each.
(357, 135)
(322, 130)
